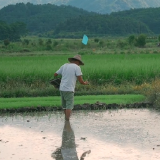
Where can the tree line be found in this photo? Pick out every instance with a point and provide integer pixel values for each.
(12, 31)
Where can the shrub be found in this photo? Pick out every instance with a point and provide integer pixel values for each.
(121, 44)
(40, 42)
(6, 42)
(96, 40)
(141, 40)
(131, 39)
(49, 42)
(48, 47)
(159, 38)
(101, 43)
(153, 93)
(55, 43)
(25, 42)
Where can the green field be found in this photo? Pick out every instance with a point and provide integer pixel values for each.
(113, 66)
(108, 67)
(29, 75)
(56, 101)
(104, 67)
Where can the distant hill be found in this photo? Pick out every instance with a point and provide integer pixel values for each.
(149, 16)
(39, 18)
(99, 6)
(67, 21)
(108, 6)
(100, 25)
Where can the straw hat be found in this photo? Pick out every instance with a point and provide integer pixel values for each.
(76, 57)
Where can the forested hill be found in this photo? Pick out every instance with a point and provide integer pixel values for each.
(149, 16)
(100, 25)
(67, 21)
(134, 21)
(40, 18)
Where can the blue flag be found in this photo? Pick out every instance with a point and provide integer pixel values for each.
(85, 39)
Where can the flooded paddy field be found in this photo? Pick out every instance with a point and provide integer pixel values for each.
(126, 134)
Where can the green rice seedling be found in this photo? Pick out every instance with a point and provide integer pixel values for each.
(55, 100)
(34, 72)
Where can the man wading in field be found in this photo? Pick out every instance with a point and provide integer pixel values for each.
(70, 73)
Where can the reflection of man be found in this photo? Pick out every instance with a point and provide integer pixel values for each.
(68, 149)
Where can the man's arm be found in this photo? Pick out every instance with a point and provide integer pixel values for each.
(80, 79)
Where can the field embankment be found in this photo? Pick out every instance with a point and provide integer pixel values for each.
(98, 102)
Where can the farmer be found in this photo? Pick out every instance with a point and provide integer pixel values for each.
(68, 151)
(70, 73)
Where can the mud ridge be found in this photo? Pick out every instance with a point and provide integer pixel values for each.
(86, 106)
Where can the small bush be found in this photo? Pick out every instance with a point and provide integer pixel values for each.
(96, 40)
(101, 43)
(55, 43)
(121, 44)
(141, 40)
(25, 42)
(25, 50)
(48, 47)
(40, 41)
(159, 38)
(49, 42)
(153, 93)
(6, 42)
(131, 40)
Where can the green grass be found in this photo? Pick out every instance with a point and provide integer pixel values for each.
(56, 101)
(29, 75)
(98, 68)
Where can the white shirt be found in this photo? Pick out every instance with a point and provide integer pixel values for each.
(69, 72)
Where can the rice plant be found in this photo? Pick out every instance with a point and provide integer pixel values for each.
(30, 75)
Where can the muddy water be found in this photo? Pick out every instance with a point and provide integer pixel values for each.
(105, 135)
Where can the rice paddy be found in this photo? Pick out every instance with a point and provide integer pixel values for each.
(98, 68)
(109, 69)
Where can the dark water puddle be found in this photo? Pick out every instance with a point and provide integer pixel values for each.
(131, 134)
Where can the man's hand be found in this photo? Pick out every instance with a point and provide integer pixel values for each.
(86, 83)
(80, 79)
(55, 75)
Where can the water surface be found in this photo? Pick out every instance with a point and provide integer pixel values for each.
(127, 134)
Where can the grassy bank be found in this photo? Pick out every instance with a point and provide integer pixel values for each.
(7, 103)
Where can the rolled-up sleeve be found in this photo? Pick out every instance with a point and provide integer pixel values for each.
(60, 70)
(78, 71)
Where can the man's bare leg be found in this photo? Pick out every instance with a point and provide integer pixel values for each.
(67, 114)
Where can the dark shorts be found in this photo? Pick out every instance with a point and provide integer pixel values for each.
(67, 98)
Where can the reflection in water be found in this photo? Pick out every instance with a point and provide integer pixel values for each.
(127, 134)
(67, 151)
